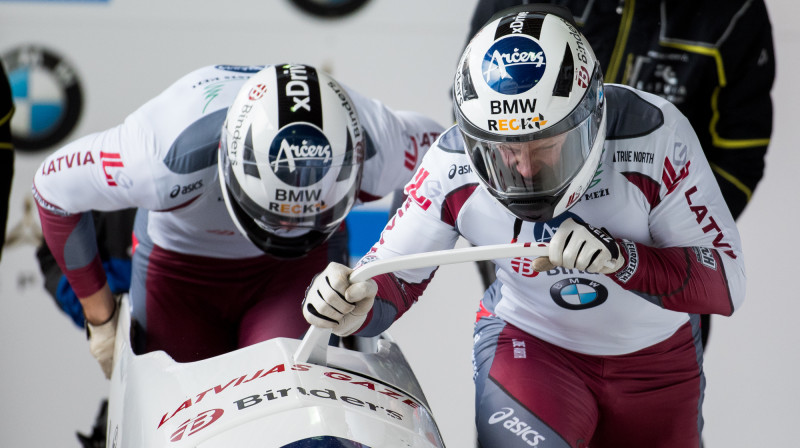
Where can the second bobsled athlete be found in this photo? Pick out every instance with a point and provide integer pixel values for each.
(243, 177)
(597, 344)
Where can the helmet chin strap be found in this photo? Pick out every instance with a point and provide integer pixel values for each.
(517, 229)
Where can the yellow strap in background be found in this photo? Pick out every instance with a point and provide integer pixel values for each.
(622, 41)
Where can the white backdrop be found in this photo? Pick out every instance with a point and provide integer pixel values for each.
(402, 52)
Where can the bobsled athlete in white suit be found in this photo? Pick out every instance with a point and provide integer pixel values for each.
(243, 177)
(598, 344)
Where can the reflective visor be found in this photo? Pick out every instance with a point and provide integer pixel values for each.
(534, 168)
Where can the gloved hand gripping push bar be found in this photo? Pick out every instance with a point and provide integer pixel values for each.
(314, 346)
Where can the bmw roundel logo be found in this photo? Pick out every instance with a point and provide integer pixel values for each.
(300, 155)
(513, 65)
(47, 96)
(578, 293)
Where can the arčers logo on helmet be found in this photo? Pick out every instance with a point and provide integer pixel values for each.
(300, 155)
(513, 65)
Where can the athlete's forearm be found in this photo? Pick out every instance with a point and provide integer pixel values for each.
(684, 279)
(394, 298)
(98, 307)
(73, 243)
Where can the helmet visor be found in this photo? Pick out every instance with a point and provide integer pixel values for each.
(288, 195)
(534, 168)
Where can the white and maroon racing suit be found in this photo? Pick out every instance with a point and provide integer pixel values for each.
(566, 358)
(200, 288)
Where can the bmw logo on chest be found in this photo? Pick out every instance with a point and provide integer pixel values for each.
(578, 293)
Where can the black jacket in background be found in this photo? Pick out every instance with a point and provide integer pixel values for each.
(6, 152)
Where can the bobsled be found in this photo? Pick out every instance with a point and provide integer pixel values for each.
(269, 394)
(281, 393)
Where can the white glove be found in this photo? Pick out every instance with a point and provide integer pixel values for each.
(101, 340)
(333, 302)
(578, 245)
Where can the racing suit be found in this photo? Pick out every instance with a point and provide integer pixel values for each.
(714, 59)
(565, 358)
(199, 287)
